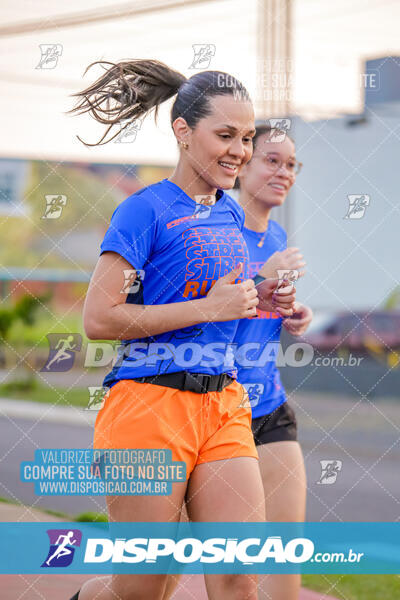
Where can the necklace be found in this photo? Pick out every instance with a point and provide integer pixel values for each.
(261, 241)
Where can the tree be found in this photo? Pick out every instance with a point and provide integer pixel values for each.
(24, 309)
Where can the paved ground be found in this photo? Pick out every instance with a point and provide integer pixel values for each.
(62, 587)
(363, 436)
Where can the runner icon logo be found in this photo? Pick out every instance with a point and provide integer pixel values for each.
(203, 54)
(132, 281)
(357, 206)
(97, 397)
(62, 351)
(329, 471)
(50, 54)
(54, 206)
(254, 391)
(62, 547)
(279, 129)
(202, 211)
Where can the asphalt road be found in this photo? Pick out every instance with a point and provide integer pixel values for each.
(364, 436)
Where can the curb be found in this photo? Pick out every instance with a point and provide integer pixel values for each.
(23, 409)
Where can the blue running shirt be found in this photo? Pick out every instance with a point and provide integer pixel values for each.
(258, 338)
(179, 248)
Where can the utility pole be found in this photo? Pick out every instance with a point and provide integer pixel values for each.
(274, 76)
(274, 60)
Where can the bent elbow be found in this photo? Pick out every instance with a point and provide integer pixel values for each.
(91, 334)
(92, 330)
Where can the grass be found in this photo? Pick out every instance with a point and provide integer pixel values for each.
(92, 517)
(355, 587)
(35, 392)
(35, 334)
(85, 517)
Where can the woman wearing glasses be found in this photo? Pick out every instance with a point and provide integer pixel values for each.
(264, 183)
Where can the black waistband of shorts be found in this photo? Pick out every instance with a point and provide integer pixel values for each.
(201, 383)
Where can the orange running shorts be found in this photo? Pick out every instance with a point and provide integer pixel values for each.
(198, 428)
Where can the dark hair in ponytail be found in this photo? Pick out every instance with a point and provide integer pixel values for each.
(132, 88)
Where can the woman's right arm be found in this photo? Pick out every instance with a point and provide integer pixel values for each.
(107, 316)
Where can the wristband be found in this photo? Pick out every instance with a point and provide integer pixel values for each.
(258, 279)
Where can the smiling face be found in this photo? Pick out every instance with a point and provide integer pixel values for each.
(221, 143)
(264, 181)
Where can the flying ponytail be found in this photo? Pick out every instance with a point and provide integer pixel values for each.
(127, 91)
(130, 89)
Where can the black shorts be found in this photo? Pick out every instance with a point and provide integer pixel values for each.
(278, 426)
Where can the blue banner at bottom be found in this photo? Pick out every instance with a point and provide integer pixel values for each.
(105, 548)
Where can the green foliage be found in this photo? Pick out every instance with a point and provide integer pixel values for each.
(393, 300)
(355, 587)
(89, 201)
(7, 317)
(26, 307)
(57, 513)
(24, 310)
(91, 517)
(35, 335)
(19, 387)
(32, 390)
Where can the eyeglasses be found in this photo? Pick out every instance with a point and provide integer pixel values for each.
(292, 166)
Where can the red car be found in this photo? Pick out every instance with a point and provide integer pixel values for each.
(377, 331)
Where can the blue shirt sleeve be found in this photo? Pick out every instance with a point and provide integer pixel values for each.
(237, 212)
(284, 238)
(132, 231)
(242, 217)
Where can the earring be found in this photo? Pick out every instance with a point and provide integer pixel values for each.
(183, 144)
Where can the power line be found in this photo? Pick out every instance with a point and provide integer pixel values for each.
(339, 13)
(94, 16)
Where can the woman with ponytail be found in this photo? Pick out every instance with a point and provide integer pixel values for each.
(174, 384)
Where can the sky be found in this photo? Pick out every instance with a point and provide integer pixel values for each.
(330, 42)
